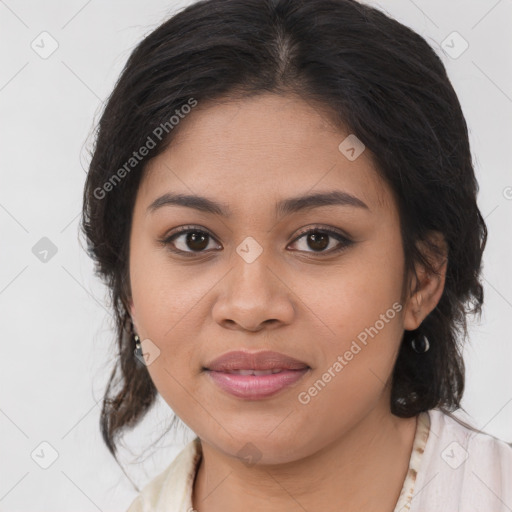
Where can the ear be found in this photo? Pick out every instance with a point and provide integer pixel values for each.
(426, 288)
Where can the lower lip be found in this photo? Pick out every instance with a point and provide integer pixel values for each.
(256, 387)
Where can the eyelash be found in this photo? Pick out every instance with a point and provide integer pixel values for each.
(167, 241)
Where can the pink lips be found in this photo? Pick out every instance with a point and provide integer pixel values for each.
(255, 375)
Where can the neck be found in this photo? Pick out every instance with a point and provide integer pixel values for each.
(362, 470)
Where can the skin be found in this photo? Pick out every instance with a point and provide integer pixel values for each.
(344, 448)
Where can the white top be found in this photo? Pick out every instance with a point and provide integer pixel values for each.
(451, 468)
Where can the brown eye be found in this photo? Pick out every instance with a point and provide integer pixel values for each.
(318, 240)
(196, 240)
(188, 240)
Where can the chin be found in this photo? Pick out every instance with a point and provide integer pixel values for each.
(257, 447)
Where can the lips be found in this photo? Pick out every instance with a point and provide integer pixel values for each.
(254, 372)
(265, 361)
(255, 376)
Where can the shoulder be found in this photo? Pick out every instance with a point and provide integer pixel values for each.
(172, 488)
(463, 468)
(475, 443)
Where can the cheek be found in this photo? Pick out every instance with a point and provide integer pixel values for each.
(345, 299)
(162, 299)
(164, 293)
(358, 307)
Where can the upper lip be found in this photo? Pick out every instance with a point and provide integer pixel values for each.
(265, 360)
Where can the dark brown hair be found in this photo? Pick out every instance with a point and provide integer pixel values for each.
(375, 76)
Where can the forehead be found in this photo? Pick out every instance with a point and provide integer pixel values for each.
(254, 150)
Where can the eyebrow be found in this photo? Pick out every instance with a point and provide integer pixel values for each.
(283, 207)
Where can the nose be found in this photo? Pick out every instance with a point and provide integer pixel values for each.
(253, 297)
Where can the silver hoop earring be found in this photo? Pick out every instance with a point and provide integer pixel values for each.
(421, 344)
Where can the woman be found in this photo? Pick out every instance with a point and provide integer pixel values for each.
(282, 201)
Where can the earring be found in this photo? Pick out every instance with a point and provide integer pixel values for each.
(420, 344)
(138, 348)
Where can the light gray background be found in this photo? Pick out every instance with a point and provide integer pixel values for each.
(56, 330)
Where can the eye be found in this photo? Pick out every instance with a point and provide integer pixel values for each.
(319, 239)
(188, 237)
(190, 240)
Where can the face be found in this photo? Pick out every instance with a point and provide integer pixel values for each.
(321, 284)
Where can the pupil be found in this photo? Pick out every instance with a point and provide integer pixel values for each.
(196, 241)
(319, 240)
